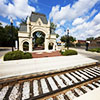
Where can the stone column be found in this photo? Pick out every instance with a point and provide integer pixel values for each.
(20, 44)
(46, 44)
(54, 46)
(30, 45)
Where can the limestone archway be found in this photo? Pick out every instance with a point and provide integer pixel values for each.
(50, 46)
(25, 46)
(36, 23)
(38, 40)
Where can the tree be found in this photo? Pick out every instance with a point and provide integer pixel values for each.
(57, 35)
(23, 21)
(2, 35)
(65, 39)
(53, 26)
(38, 39)
(90, 39)
(6, 35)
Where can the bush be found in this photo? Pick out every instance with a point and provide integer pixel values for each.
(78, 45)
(27, 55)
(95, 50)
(68, 52)
(15, 55)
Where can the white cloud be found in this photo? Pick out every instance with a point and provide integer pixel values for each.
(69, 13)
(3, 23)
(19, 8)
(87, 29)
(55, 9)
(59, 31)
(18, 24)
(78, 21)
(62, 22)
(77, 17)
(97, 19)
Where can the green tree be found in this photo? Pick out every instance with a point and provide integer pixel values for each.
(3, 35)
(53, 26)
(38, 39)
(6, 35)
(66, 38)
(23, 21)
(57, 35)
(90, 38)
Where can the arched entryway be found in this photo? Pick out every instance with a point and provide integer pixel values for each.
(25, 46)
(38, 41)
(50, 46)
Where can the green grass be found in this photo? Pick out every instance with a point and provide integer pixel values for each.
(95, 50)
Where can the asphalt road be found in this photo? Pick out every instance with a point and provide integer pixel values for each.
(4, 50)
(89, 54)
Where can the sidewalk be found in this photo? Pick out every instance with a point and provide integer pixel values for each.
(38, 65)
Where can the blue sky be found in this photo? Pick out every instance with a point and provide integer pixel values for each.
(82, 17)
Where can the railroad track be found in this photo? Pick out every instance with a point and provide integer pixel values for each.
(64, 85)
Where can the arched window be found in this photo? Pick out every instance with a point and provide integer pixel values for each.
(50, 46)
(25, 46)
(38, 40)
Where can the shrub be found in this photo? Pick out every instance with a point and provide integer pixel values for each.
(68, 52)
(27, 55)
(15, 55)
(78, 44)
(95, 50)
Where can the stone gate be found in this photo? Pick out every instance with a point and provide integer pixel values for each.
(36, 22)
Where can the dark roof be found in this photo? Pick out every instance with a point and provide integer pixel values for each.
(34, 17)
(23, 28)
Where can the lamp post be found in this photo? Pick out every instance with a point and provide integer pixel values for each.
(67, 38)
(11, 21)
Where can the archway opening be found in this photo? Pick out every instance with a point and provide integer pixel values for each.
(25, 46)
(50, 46)
(38, 41)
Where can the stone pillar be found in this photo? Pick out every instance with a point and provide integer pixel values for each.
(20, 44)
(30, 45)
(54, 46)
(46, 44)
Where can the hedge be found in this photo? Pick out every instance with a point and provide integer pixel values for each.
(15, 55)
(68, 52)
(95, 50)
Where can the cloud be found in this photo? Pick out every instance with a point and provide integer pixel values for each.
(87, 29)
(80, 17)
(18, 24)
(19, 9)
(59, 31)
(69, 12)
(78, 21)
(3, 23)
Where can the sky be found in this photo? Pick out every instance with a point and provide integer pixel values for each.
(81, 17)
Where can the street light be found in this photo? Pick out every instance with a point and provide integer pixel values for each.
(11, 21)
(67, 38)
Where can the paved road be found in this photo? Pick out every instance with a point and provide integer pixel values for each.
(4, 50)
(89, 54)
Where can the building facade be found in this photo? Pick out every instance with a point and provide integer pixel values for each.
(95, 43)
(36, 23)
